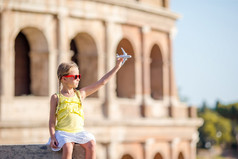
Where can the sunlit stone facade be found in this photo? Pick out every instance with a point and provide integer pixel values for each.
(137, 115)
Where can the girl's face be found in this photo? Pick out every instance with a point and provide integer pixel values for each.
(71, 81)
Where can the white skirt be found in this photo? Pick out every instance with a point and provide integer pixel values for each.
(65, 137)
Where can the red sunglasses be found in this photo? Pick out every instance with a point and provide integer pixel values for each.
(75, 76)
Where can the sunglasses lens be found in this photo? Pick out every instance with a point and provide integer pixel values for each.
(77, 76)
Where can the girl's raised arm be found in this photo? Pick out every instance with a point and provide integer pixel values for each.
(88, 90)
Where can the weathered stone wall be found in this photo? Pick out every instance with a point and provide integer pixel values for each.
(36, 152)
(136, 114)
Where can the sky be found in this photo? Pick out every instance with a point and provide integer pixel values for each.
(205, 50)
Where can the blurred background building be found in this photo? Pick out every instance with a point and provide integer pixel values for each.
(137, 115)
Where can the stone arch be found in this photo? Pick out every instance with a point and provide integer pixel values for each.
(31, 59)
(84, 53)
(127, 156)
(180, 156)
(158, 156)
(125, 77)
(156, 73)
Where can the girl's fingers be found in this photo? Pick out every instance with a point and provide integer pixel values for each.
(119, 60)
(56, 143)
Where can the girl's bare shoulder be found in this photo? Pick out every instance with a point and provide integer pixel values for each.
(82, 93)
(54, 97)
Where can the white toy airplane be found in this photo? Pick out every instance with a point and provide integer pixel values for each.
(124, 56)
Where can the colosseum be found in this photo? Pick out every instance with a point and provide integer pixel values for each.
(137, 115)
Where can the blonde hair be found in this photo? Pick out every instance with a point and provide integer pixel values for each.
(63, 70)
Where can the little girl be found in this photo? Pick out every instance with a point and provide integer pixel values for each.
(66, 108)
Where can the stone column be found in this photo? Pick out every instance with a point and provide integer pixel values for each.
(172, 84)
(145, 109)
(52, 73)
(62, 41)
(112, 151)
(147, 147)
(166, 78)
(166, 3)
(7, 57)
(173, 148)
(1, 66)
(193, 144)
(109, 64)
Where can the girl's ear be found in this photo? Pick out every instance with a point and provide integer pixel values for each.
(62, 79)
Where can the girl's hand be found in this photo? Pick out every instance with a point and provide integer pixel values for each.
(54, 143)
(119, 62)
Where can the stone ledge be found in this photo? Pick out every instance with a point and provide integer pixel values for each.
(36, 152)
(158, 122)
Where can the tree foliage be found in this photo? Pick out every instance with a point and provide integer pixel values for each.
(230, 111)
(215, 130)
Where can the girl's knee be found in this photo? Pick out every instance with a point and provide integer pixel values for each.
(90, 145)
(68, 146)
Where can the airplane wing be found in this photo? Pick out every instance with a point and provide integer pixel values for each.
(123, 51)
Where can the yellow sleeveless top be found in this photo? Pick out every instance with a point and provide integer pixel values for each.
(69, 114)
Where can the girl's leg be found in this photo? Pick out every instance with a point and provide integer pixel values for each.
(68, 150)
(90, 149)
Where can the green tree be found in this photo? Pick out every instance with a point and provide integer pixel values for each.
(230, 111)
(215, 130)
(204, 107)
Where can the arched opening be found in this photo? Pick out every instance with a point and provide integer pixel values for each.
(22, 66)
(85, 56)
(127, 157)
(158, 156)
(180, 156)
(73, 48)
(31, 63)
(156, 73)
(125, 77)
